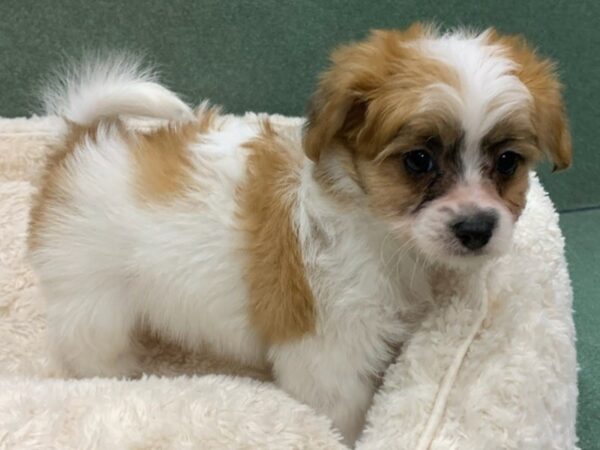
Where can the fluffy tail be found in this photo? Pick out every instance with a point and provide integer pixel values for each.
(104, 88)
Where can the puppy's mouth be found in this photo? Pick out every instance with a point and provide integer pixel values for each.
(462, 258)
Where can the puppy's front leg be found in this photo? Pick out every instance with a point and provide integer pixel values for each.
(329, 377)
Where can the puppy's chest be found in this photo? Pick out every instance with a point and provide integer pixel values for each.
(371, 295)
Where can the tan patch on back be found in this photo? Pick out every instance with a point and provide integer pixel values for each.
(160, 156)
(52, 193)
(281, 301)
(162, 160)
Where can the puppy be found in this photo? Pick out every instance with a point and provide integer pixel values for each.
(310, 252)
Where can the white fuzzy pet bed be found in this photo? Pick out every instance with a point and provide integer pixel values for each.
(514, 389)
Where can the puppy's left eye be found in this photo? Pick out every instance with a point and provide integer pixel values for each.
(507, 163)
(418, 162)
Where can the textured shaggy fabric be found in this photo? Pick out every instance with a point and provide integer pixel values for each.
(516, 387)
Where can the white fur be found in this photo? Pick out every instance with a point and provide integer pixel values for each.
(516, 389)
(489, 89)
(363, 284)
(110, 263)
(488, 92)
(105, 87)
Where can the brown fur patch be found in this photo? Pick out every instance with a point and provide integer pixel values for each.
(51, 189)
(371, 91)
(367, 109)
(162, 160)
(280, 300)
(160, 157)
(549, 116)
(390, 191)
(393, 190)
(516, 136)
(513, 191)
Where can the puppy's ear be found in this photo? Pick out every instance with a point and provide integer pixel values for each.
(335, 108)
(549, 116)
(341, 101)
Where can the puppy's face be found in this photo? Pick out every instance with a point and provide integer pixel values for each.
(437, 135)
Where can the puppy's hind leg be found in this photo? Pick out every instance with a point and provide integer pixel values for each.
(90, 329)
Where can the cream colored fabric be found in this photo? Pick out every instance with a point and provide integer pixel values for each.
(516, 387)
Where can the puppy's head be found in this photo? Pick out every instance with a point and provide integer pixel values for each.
(436, 134)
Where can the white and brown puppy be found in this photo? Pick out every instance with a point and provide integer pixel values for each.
(311, 254)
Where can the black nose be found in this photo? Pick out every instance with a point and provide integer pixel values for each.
(475, 231)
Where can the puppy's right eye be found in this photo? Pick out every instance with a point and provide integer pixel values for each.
(507, 163)
(419, 162)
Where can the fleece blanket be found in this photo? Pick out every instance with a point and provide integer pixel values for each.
(494, 368)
